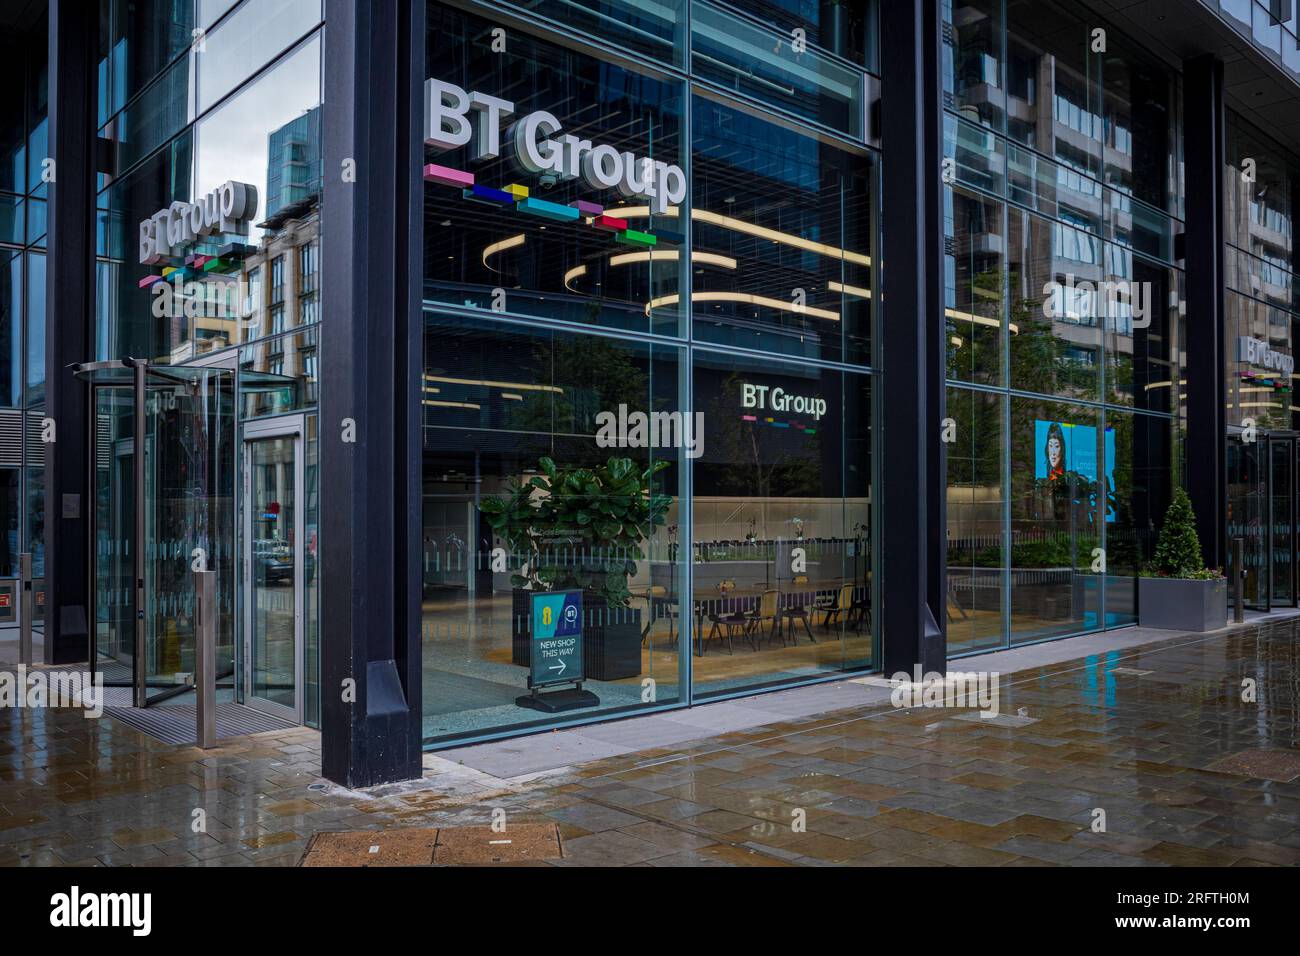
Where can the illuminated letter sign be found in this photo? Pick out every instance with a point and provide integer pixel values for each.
(538, 145)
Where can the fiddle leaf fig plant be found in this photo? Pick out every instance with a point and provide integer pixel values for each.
(578, 528)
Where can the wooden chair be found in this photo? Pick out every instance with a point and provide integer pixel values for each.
(840, 609)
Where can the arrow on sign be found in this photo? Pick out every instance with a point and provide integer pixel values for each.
(559, 667)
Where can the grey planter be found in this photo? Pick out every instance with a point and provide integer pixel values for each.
(1178, 604)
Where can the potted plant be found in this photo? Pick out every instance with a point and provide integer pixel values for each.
(1177, 591)
(575, 528)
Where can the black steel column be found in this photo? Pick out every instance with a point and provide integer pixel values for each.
(372, 248)
(1205, 444)
(69, 314)
(912, 496)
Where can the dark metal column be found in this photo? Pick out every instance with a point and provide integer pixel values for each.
(912, 474)
(70, 310)
(372, 361)
(1205, 446)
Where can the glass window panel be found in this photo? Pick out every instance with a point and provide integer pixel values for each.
(1136, 309)
(35, 337)
(1140, 447)
(761, 63)
(279, 374)
(782, 527)
(10, 546)
(978, 156)
(782, 226)
(503, 405)
(34, 519)
(146, 36)
(1053, 271)
(1051, 99)
(11, 311)
(481, 252)
(37, 221)
(1137, 146)
(1257, 388)
(129, 325)
(311, 579)
(245, 41)
(153, 117)
(11, 219)
(845, 29)
(655, 28)
(38, 108)
(13, 134)
(973, 61)
(976, 501)
(974, 287)
(1060, 497)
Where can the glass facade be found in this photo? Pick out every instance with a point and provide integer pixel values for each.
(654, 379)
(1261, 181)
(1063, 307)
(661, 403)
(197, 100)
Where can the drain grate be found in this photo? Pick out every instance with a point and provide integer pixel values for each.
(1280, 765)
(405, 846)
(174, 724)
(519, 843)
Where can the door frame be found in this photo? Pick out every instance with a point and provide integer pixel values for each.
(261, 429)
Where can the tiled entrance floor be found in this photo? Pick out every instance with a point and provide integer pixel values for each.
(1187, 764)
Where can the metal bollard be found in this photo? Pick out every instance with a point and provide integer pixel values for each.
(25, 608)
(205, 658)
(1239, 588)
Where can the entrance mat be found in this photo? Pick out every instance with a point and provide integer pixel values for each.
(447, 846)
(1280, 765)
(175, 724)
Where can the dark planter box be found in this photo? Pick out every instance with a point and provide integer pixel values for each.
(1178, 604)
(611, 637)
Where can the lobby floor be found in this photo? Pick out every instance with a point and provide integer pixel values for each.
(1156, 731)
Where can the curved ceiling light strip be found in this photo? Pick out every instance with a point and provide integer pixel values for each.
(672, 255)
(575, 273)
(748, 228)
(501, 246)
(747, 299)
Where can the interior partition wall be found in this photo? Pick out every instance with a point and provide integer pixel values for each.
(662, 404)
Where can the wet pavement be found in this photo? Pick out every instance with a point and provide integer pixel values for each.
(1183, 752)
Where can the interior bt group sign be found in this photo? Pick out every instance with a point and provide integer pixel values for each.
(454, 117)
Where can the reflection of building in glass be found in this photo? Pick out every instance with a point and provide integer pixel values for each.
(293, 167)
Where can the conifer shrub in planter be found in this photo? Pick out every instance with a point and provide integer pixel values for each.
(1178, 592)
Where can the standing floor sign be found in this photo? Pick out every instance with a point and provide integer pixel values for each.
(555, 623)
